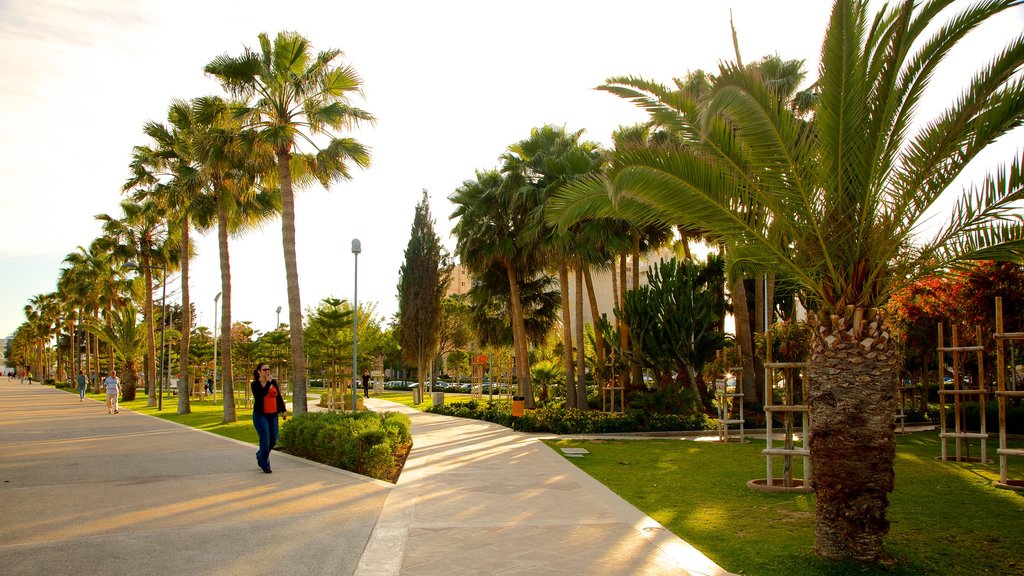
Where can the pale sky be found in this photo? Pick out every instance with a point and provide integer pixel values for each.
(452, 84)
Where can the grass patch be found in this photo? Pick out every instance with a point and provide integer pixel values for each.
(947, 518)
(205, 415)
(405, 397)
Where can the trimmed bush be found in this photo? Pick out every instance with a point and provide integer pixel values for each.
(368, 443)
(573, 421)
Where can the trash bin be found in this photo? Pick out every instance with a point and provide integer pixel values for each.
(517, 405)
(417, 397)
(438, 398)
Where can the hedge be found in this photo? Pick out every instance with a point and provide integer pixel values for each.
(368, 443)
(574, 421)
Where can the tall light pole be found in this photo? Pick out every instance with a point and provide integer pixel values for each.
(216, 344)
(163, 324)
(278, 318)
(356, 249)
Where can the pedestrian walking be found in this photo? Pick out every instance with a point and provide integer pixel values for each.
(268, 402)
(366, 384)
(113, 384)
(81, 386)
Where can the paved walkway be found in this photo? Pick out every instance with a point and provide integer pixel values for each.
(131, 494)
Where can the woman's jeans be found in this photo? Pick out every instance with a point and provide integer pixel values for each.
(81, 392)
(266, 428)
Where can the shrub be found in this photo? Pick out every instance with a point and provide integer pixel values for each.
(561, 420)
(972, 419)
(367, 443)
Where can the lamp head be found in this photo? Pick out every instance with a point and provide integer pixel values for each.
(356, 246)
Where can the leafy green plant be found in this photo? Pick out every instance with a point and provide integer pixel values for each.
(368, 443)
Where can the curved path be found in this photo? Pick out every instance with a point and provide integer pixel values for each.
(131, 494)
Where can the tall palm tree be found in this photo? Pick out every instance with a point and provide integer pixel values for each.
(845, 198)
(171, 173)
(39, 326)
(293, 96)
(491, 218)
(140, 235)
(238, 171)
(550, 157)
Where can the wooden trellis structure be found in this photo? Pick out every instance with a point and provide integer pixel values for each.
(477, 376)
(901, 414)
(377, 376)
(612, 387)
(730, 406)
(959, 392)
(503, 369)
(1004, 392)
(790, 407)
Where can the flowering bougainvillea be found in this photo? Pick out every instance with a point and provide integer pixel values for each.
(963, 299)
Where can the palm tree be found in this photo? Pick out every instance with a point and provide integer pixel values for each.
(550, 157)
(171, 173)
(237, 169)
(140, 235)
(491, 220)
(127, 340)
(38, 314)
(99, 284)
(845, 196)
(294, 95)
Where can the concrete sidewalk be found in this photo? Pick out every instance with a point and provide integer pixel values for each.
(131, 494)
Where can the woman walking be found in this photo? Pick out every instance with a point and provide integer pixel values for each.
(268, 402)
(81, 386)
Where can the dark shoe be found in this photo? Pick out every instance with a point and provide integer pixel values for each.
(266, 469)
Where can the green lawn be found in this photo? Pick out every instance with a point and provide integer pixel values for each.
(205, 415)
(947, 518)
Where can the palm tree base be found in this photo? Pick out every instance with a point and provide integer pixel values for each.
(852, 399)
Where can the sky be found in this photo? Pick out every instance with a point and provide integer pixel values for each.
(451, 84)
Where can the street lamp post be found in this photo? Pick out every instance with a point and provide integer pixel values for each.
(356, 249)
(216, 344)
(163, 323)
(278, 325)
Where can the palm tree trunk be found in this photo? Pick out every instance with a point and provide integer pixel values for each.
(96, 356)
(150, 332)
(636, 370)
(73, 358)
(623, 327)
(581, 349)
(185, 384)
(291, 268)
(595, 314)
(570, 390)
(759, 327)
(745, 339)
(852, 399)
(224, 338)
(522, 359)
(131, 381)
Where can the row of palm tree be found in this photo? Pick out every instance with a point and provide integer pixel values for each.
(223, 163)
